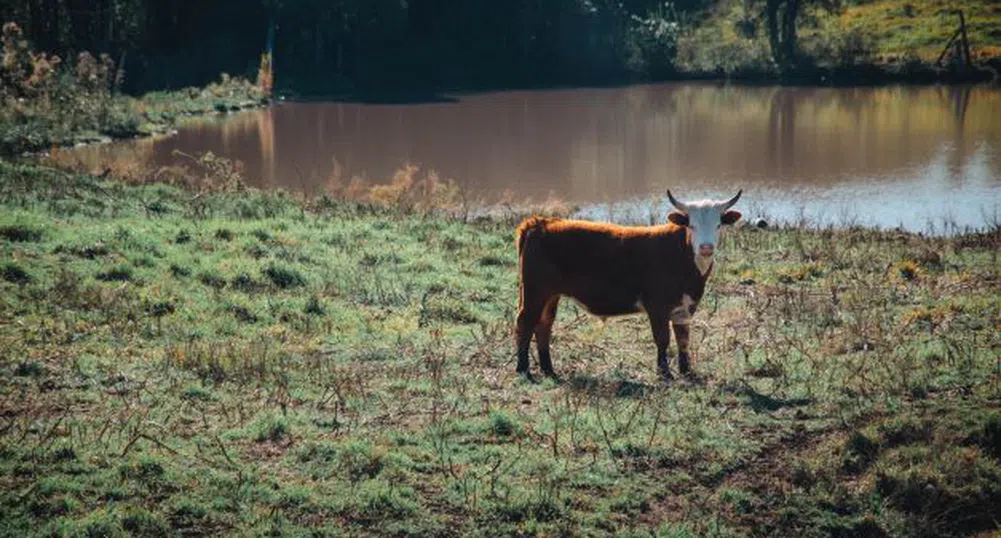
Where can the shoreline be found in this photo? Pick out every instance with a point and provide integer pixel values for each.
(857, 76)
(165, 111)
(124, 117)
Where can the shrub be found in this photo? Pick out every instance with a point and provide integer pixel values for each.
(212, 280)
(117, 274)
(16, 274)
(359, 460)
(243, 314)
(29, 369)
(503, 424)
(654, 42)
(271, 428)
(314, 307)
(244, 283)
(989, 436)
(179, 270)
(224, 234)
(18, 233)
(284, 277)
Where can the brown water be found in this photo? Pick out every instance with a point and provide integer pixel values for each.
(911, 156)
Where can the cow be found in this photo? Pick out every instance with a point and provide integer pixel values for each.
(616, 270)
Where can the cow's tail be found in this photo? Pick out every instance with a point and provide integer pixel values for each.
(528, 228)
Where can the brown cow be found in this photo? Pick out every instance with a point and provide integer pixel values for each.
(614, 270)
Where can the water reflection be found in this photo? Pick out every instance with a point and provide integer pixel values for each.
(888, 145)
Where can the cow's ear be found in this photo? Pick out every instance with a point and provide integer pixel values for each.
(730, 217)
(680, 219)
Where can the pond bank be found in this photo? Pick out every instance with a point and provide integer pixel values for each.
(67, 116)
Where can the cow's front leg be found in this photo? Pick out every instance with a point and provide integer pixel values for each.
(661, 337)
(681, 334)
(681, 318)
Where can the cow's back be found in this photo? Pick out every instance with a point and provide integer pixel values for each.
(607, 268)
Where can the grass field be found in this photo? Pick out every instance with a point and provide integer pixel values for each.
(215, 360)
(901, 40)
(922, 27)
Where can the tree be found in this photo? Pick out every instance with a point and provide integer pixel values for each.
(780, 20)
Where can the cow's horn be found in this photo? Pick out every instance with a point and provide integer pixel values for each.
(678, 205)
(730, 203)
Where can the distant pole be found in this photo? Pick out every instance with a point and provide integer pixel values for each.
(266, 71)
(966, 42)
(270, 47)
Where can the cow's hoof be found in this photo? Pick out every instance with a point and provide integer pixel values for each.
(551, 374)
(694, 378)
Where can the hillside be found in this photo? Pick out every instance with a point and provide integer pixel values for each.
(923, 27)
(879, 32)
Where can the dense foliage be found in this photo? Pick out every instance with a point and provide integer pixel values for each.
(360, 46)
(367, 43)
(48, 101)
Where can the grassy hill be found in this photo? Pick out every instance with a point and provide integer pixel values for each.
(223, 361)
(923, 27)
(880, 32)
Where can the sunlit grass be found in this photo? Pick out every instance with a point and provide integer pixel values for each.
(223, 360)
(923, 27)
(892, 34)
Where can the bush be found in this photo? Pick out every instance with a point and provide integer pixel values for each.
(653, 42)
(15, 273)
(284, 277)
(503, 424)
(46, 100)
(271, 428)
(20, 234)
(314, 306)
(117, 274)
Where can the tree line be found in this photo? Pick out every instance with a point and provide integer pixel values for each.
(338, 45)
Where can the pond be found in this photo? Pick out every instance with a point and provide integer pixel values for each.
(926, 158)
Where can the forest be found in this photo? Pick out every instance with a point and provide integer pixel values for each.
(329, 47)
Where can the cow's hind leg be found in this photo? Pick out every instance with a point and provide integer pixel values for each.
(529, 313)
(543, 333)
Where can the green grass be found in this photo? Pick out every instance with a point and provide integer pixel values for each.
(922, 27)
(864, 40)
(246, 363)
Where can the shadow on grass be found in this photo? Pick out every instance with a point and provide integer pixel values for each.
(621, 388)
(763, 403)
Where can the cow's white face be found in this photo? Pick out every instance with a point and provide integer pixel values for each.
(703, 220)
